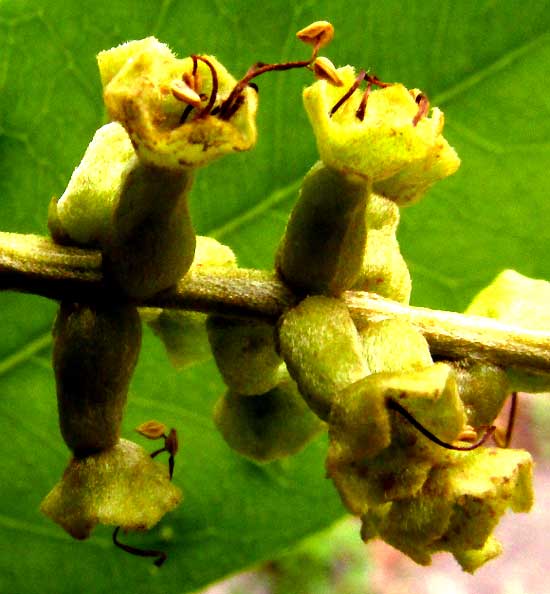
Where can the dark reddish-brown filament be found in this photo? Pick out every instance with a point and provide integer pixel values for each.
(393, 405)
(161, 555)
(423, 107)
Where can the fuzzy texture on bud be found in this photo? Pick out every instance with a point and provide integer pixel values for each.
(120, 486)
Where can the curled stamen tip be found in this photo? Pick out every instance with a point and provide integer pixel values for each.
(183, 92)
(324, 69)
(319, 33)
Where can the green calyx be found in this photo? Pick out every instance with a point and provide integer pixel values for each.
(245, 354)
(119, 486)
(322, 350)
(383, 269)
(138, 80)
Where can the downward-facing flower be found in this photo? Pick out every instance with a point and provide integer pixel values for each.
(385, 136)
(172, 108)
(120, 486)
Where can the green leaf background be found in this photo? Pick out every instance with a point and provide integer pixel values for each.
(483, 62)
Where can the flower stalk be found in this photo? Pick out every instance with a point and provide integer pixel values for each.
(35, 264)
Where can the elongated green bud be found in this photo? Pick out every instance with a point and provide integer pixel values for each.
(85, 209)
(95, 351)
(322, 350)
(394, 345)
(483, 388)
(152, 242)
(322, 248)
(267, 426)
(383, 270)
(245, 354)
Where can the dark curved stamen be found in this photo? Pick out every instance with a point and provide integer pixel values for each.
(423, 107)
(393, 405)
(360, 113)
(373, 79)
(161, 555)
(360, 78)
(214, 93)
(228, 106)
(504, 442)
(171, 446)
(185, 114)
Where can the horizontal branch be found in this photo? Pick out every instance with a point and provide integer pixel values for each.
(34, 264)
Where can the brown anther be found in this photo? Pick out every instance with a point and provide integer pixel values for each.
(193, 80)
(183, 92)
(324, 69)
(318, 34)
(152, 429)
(468, 433)
(423, 106)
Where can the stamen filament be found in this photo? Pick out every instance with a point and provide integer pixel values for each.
(393, 405)
(161, 555)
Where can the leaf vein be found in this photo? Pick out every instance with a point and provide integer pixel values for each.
(275, 198)
(476, 77)
(25, 352)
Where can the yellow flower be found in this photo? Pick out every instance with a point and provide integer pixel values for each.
(139, 78)
(401, 156)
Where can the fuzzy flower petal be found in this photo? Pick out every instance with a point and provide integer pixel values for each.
(120, 486)
(138, 78)
(400, 158)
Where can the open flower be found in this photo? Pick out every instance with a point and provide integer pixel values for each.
(171, 107)
(400, 153)
(120, 486)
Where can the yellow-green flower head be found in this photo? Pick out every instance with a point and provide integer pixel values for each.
(165, 104)
(402, 157)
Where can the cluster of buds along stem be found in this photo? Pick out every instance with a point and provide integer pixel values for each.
(405, 431)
